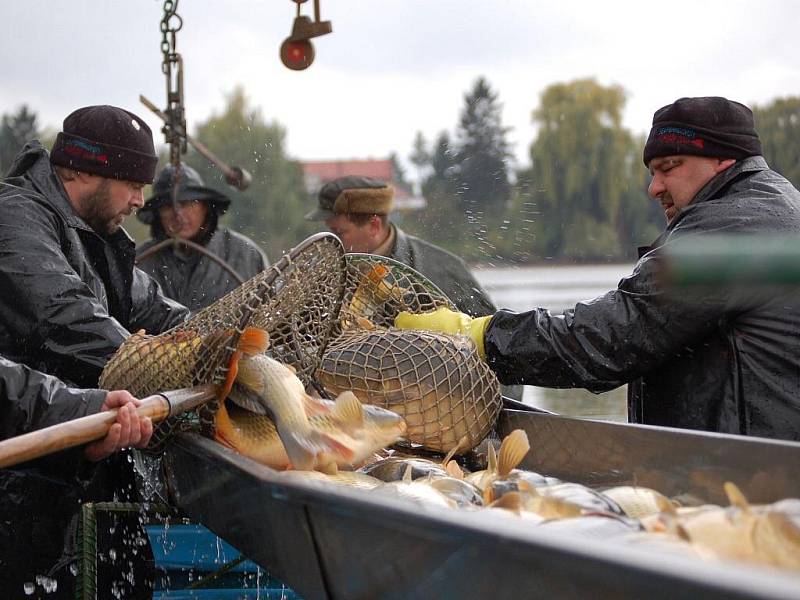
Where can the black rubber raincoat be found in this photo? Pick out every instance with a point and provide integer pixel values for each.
(195, 280)
(69, 298)
(446, 270)
(715, 363)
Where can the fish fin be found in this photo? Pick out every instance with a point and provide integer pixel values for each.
(736, 497)
(223, 425)
(253, 341)
(315, 406)
(233, 370)
(348, 410)
(492, 460)
(513, 449)
(461, 445)
(528, 488)
(511, 501)
(407, 478)
(365, 323)
(326, 464)
(303, 449)
(453, 469)
(248, 399)
(666, 505)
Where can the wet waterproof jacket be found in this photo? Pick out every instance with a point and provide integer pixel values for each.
(718, 362)
(69, 299)
(449, 272)
(70, 296)
(196, 280)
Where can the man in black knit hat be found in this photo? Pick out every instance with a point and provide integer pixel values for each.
(71, 295)
(712, 361)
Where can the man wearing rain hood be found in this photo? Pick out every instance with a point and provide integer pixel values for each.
(720, 360)
(185, 274)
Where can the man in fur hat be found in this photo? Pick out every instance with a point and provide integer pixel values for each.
(357, 210)
(185, 274)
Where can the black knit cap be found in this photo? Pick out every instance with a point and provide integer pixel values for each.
(190, 187)
(106, 141)
(708, 126)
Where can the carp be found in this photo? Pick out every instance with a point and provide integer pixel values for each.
(351, 479)
(764, 534)
(416, 491)
(436, 382)
(393, 468)
(351, 431)
(638, 502)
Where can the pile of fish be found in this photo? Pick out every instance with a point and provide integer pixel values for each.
(767, 535)
(269, 417)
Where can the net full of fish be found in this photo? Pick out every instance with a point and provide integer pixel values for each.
(292, 301)
(436, 382)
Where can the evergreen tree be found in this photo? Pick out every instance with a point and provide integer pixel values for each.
(15, 130)
(399, 171)
(420, 158)
(778, 126)
(271, 210)
(483, 151)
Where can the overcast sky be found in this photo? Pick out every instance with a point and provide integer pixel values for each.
(393, 67)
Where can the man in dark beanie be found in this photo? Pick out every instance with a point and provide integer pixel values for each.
(357, 210)
(723, 360)
(187, 275)
(71, 295)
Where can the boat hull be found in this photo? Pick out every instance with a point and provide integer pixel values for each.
(331, 542)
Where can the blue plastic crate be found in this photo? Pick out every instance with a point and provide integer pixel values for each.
(185, 554)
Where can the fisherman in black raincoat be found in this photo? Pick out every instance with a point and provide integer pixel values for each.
(357, 208)
(719, 362)
(186, 275)
(71, 295)
(31, 400)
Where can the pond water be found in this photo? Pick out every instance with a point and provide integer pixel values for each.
(557, 288)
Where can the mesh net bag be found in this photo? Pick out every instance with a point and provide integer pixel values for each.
(437, 382)
(296, 301)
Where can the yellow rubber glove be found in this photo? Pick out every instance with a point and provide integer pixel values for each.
(447, 321)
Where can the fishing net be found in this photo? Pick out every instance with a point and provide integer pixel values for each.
(437, 382)
(378, 288)
(296, 301)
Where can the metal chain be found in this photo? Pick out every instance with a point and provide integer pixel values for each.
(172, 67)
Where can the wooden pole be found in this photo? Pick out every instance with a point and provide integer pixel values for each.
(87, 429)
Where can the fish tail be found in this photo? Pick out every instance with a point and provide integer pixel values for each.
(303, 450)
(252, 341)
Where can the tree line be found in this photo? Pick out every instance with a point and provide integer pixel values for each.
(582, 197)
